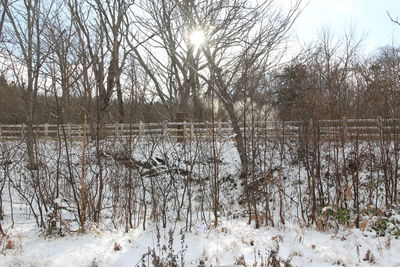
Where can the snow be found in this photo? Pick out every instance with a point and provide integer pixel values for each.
(220, 246)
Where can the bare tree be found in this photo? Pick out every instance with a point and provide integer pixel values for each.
(320, 84)
(163, 49)
(380, 83)
(64, 65)
(3, 16)
(101, 28)
(241, 38)
(25, 25)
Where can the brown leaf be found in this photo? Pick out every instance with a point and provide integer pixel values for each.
(369, 257)
(364, 225)
(10, 244)
(277, 238)
(117, 247)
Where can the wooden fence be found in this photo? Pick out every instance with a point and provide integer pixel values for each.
(325, 129)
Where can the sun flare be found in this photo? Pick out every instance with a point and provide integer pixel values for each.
(197, 37)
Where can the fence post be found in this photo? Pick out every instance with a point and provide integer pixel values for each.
(381, 133)
(219, 123)
(122, 129)
(116, 130)
(141, 130)
(205, 133)
(0, 130)
(191, 131)
(69, 131)
(184, 131)
(46, 129)
(180, 127)
(344, 129)
(164, 129)
(22, 130)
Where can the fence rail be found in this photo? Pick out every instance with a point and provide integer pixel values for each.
(325, 129)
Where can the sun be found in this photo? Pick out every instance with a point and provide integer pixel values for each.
(197, 37)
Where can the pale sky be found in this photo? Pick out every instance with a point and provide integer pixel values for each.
(368, 16)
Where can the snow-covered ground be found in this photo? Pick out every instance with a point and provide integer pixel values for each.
(229, 243)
